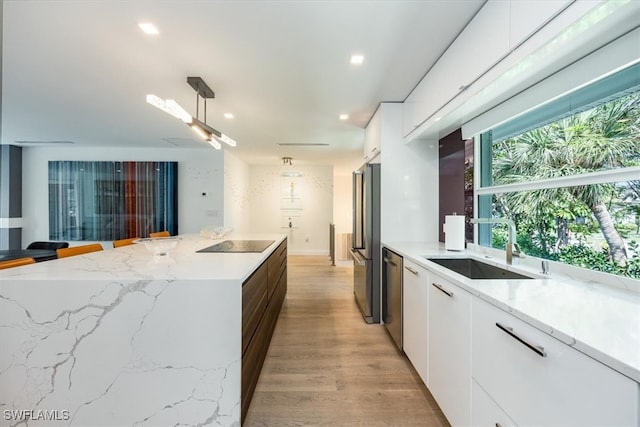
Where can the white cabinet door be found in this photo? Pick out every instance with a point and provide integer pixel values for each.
(450, 349)
(538, 380)
(414, 316)
(486, 412)
(373, 137)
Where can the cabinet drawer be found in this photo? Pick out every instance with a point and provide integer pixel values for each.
(538, 380)
(486, 412)
(252, 362)
(254, 303)
(277, 265)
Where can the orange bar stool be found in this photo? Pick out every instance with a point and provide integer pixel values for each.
(160, 234)
(124, 242)
(16, 262)
(79, 250)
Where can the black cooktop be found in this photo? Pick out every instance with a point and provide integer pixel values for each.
(239, 246)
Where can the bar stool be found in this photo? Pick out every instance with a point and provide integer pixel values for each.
(79, 250)
(16, 262)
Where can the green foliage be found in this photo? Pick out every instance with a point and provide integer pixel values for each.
(587, 257)
(584, 256)
(557, 223)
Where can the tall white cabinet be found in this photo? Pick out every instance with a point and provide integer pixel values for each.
(408, 212)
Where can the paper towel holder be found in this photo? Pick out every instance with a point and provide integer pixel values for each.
(454, 230)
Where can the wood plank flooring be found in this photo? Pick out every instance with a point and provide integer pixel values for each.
(327, 367)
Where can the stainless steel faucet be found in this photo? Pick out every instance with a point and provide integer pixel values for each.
(544, 266)
(512, 247)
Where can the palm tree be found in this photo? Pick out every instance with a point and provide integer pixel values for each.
(605, 137)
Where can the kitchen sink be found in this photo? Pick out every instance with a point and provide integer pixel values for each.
(474, 269)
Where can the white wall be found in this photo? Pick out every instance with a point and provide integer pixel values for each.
(343, 203)
(236, 193)
(199, 171)
(310, 234)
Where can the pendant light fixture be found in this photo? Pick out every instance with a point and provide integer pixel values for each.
(287, 168)
(206, 132)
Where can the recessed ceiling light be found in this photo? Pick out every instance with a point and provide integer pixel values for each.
(357, 59)
(148, 28)
(344, 116)
(228, 115)
(437, 119)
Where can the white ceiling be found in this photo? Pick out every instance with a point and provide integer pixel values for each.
(79, 70)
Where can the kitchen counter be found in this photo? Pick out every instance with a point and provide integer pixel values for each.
(600, 321)
(134, 262)
(119, 337)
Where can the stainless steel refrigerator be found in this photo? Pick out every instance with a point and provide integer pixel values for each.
(366, 241)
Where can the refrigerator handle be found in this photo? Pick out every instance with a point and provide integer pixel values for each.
(357, 209)
(358, 258)
(353, 211)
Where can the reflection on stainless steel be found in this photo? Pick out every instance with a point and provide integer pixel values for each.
(366, 241)
(392, 295)
(512, 247)
(474, 269)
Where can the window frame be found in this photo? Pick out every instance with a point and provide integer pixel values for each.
(619, 84)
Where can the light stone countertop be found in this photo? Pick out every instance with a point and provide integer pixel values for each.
(600, 321)
(118, 337)
(134, 262)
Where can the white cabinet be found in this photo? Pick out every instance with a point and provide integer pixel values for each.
(449, 364)
(497, 35)
(486, 412)
(538, 380)
(414, 316)
(461, 64)
(373, 137)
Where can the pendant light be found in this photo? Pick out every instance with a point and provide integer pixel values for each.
(206, 132)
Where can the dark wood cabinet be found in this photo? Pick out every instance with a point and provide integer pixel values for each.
(262, 296)
(254, 303)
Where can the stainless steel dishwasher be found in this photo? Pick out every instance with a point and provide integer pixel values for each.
(392, 294)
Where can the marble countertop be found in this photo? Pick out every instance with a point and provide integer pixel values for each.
(600, 321)
(120, 338)
(135, 262)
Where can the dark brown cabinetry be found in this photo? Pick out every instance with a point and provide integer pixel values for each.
(262, 297)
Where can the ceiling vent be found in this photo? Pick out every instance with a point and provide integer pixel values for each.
(302, 144)
(43, 142)
(183, 142)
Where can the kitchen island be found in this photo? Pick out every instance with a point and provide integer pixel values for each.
(122, 337)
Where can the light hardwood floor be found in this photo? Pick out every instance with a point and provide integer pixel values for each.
(327, 367)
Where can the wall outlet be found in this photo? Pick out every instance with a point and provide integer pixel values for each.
(212, 213)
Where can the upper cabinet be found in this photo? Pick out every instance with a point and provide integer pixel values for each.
(498, 29)
(373, 137)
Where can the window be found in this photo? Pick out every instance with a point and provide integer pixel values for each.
(570, 178)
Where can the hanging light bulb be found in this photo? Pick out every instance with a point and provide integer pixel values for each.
(215, 144)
